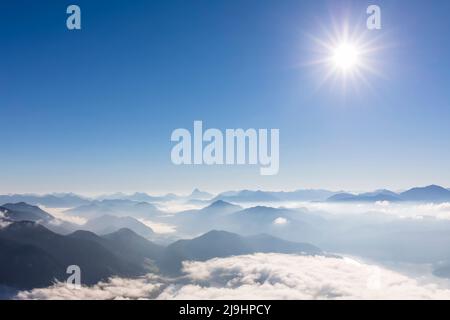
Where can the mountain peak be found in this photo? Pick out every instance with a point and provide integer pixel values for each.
(125, 232)
(24, 211)
(220, 204)
(84, 234)
(21, 204)
(435, 187)
(429, 193)
(214, 233)
(198, 194)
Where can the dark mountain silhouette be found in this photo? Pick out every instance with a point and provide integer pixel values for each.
(128, 241)
(40, 256)
(23, 211)
(224, 244)
(32, 256)
(127, 245)
(25, 266)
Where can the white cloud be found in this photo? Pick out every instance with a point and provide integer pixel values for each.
(60, 214)
(173, 207)
(280, 221)
(113, 289)
(4, 223)
(261, 276)
(278, 276)
(159, 227)
(394, 209)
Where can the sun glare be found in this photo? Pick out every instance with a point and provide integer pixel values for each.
(345, 57)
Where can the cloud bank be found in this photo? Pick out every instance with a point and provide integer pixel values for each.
(260, 276)
(396, 210)
(113, 289)
(3, 223)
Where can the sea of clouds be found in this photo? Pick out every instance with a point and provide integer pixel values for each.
(259, 276)
(394, 209)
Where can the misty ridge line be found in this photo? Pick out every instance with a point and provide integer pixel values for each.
(239, 147)
(61, 200)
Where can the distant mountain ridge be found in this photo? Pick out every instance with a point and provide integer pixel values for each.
(201, 220)
(56, 200)
(115, 207)
(197, 194)
(109, 224)
(274, 196)
(365, 197)
(429, 193)
(223, 206)
(138, 196)
(432, 193)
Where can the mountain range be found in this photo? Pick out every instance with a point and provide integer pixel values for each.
(138, 196)
(23, 211)
(34, 250)
(116, 207)
(202, 220)
(273, 196)
(32, 256)
(55, 200)
(432, 193)
(216, 244)
(109, 224)
(196, 194)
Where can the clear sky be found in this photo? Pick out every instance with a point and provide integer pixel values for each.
(92, 111)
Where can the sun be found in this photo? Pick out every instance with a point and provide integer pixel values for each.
(345, 57)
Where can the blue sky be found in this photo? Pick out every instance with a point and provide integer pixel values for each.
(92, 111)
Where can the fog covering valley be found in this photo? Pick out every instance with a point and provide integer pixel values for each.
(304, 244)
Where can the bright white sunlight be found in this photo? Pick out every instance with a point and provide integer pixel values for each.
(346, 57)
